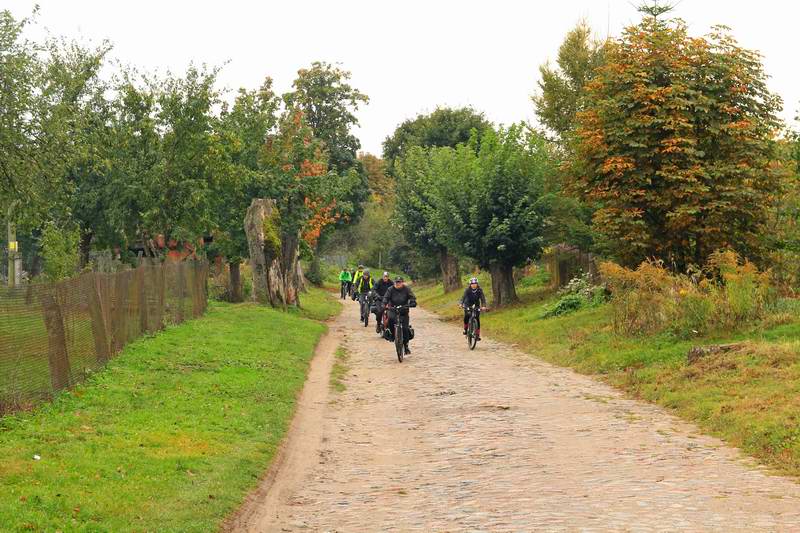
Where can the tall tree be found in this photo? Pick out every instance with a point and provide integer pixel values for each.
(329, 103)
(296, 172)
(242, 130)
(676, 146)
(489, 202)
(445, 127)
(182, 197)
(562, 88)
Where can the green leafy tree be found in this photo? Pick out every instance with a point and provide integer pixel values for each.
(296, 171)
(444, 127)
(562, 88)
(181, 197)
(329, 103)
(489, 201)
(676, 146)
(242, 130)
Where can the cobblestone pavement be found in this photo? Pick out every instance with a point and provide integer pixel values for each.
(494, 440)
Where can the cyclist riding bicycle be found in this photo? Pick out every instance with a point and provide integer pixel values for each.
(399, 294)
(345, 279)
(357, 276)
(363, 286)
(473, 295)
(380, 289)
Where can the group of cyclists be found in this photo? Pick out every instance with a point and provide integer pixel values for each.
(385, 296)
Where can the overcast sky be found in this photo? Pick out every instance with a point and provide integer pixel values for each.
(408, 56)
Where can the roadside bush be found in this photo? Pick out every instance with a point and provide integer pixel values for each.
(580, 292)
(729, 293)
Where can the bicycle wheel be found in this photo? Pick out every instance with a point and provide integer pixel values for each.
(366, 317)
(472, 335)
(398, 341)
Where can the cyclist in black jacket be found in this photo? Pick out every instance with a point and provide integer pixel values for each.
(380, 289)
(473, 295)
(399, 294)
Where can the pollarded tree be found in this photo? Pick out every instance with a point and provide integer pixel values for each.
(445, 127)
(489, 201)
(676, 147)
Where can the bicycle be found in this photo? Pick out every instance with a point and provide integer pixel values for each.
(344, 290)
(399, 341)
(472, 326)
(365, 305)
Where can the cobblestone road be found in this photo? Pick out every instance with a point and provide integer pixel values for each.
(493, 440)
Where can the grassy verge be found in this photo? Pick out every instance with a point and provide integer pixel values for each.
(749, 397)
(340, 367)
(170, 436)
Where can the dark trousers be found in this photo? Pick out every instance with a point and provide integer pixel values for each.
(467, 312)
(404, 320)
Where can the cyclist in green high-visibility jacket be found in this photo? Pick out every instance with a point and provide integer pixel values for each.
(346, 279)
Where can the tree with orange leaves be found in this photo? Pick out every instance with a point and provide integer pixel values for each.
(675, 147)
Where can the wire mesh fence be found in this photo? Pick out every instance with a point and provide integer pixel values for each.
(53, 335)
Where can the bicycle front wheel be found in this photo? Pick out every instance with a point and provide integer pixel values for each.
(472, 333)
(398, 342)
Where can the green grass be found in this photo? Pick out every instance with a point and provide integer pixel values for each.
(750, 397)
(318, 304)
(171, 435)
(340, 367)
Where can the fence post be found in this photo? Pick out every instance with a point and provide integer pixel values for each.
(118, 315)
(161, 283)
(57, 343)
(181, 291)
(197, 278)
(98, 316)
(144, 326)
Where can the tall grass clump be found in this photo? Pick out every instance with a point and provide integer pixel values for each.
(729, 293)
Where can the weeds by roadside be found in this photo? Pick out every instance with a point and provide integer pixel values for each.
(341, 365)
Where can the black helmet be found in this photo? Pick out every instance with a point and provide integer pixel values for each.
(398, 279)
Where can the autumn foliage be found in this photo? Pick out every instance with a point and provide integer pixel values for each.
(675, 147)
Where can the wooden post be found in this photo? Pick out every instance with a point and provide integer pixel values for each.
(141, 286)
(161, 282)
(118, 314)
(57, 343)
(181, 291)
(98, 315)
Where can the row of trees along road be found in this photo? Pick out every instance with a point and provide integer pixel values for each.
(657, 144)
(112, 158)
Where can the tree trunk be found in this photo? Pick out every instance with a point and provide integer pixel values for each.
(236, 282)
(290, 252)
(450, 276)
(84, 247)
(503, 290)
(315, 269)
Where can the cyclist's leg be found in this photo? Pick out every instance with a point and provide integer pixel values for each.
(390, 326)
(478, 323)
(406, 322)
(466, 320)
